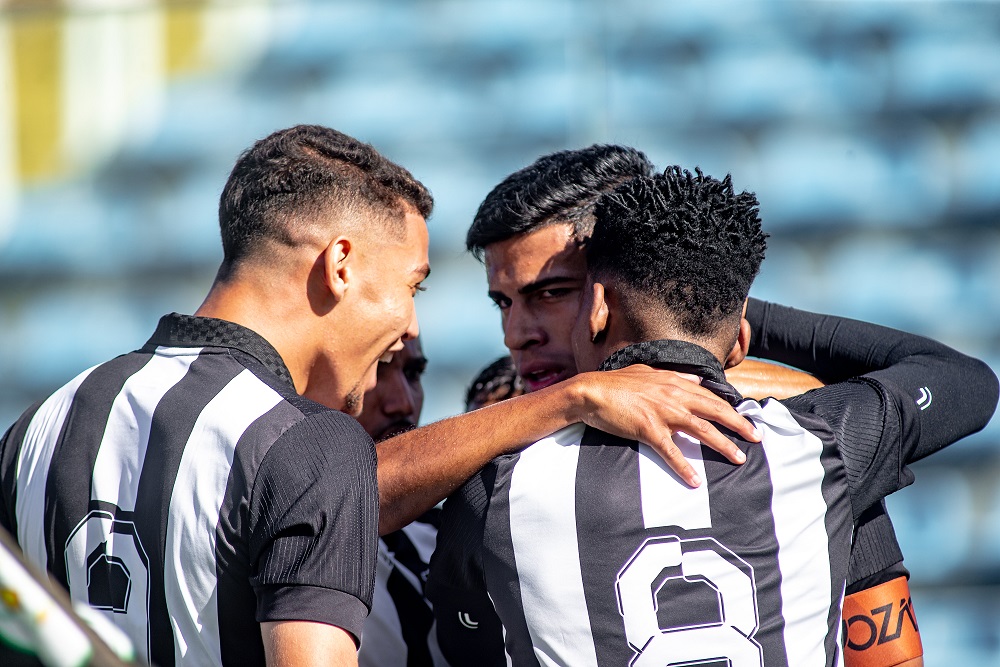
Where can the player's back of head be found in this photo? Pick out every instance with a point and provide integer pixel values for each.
(561, 187)
(682, 247)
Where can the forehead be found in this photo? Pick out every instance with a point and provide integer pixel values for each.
(551, 251)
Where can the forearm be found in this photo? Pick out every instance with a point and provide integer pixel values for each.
(955, 394)
(419, 468)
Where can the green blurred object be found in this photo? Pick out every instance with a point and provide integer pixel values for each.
(38, 625)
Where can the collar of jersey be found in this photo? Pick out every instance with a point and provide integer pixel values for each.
(176, 330)
(675, 355)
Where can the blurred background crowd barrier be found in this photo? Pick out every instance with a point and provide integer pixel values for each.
(869, 130)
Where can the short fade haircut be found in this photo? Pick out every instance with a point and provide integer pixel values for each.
(292, 177)
(560, 187)
(680, 240)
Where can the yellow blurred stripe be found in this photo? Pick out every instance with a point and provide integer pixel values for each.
(184, 31)
(36, 40)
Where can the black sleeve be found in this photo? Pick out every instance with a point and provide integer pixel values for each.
(940, 394)
(314, 524)
(10, 449)
(875, 554)
(468, 628)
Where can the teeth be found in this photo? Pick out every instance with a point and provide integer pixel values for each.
(386, 358)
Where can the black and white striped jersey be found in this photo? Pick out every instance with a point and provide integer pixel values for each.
(400, 631)
(592, 552)
(187, 492)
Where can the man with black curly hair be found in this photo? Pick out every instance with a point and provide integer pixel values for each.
(590, 553)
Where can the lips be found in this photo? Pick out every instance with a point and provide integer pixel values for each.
(537, 376)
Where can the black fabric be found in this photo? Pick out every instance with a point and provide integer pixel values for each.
(180, 330)
(959, 392)
(298, 526)
(233, 564)
(415, 619)
(868, 427)
(678, 355)
(500, 579)
(603, 530)
(67, 488)
(173, 421)
(456, 584)
(10, 447)
(874, 550)
(312, 603)
(297, 530)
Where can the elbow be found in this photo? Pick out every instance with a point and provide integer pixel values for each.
(985, 388)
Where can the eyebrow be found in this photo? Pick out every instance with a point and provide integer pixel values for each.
(424, 270)
(538, 285)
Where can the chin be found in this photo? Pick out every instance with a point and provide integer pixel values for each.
(354, 403)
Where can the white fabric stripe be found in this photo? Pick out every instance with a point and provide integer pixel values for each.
(799, 510)
(543, 533)
(666, 499)
(33, 468)
(190, 581)
(126, 434)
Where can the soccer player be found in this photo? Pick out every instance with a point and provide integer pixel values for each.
(594, 554)
(399, 628)
(530, 231)
(208, 493)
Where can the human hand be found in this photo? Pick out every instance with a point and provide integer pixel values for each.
(650, 405)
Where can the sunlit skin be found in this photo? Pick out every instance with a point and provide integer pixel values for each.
(393, 406)
(344, 302)
(535, 280)
(377, 289)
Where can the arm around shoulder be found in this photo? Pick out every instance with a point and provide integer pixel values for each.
(421, 467)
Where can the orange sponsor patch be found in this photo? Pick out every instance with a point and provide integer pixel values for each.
(880, 627)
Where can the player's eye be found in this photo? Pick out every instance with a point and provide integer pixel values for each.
(500, 302)
(554, 293)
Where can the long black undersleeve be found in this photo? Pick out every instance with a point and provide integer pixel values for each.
(955, 394)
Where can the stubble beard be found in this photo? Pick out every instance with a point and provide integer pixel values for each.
(353, 401)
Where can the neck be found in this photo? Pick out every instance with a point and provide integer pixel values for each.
(270, 308)
(642, 330)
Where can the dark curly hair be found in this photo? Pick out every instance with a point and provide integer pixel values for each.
(556, 188)
(295, 175)
(497, 382)
(680, 240)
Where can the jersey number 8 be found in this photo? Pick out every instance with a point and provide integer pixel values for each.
(662, 559)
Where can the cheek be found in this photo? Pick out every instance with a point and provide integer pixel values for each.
(558, 323)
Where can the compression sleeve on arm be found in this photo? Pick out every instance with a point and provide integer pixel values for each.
(952, 394)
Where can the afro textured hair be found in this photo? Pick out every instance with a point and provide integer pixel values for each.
(686, 241)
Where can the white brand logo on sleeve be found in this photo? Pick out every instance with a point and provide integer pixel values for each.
(925, 398)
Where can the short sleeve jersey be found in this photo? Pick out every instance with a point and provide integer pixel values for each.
(189, 493)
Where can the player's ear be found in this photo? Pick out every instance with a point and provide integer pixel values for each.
(598, 316)
(742, 344)
(337, 266)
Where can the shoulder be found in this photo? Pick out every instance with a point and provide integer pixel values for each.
(318, 444)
